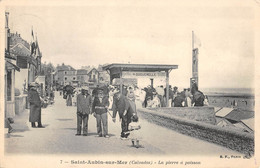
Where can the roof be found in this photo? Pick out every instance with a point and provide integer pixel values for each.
(20, 50)
(92, 70)
(238, 115)
(223, 112)
(65, 68)
(250, 123)
(223, 123)
(140, 67)
(82, 72)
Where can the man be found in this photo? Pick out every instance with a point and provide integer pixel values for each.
(170, 100)
(179, 99)
(83, 111)
(188, 97)
(160, 93)
(194, 86)
(122, 106)
(198, 98)
(99, 107)
(95, 91)
(35, 106)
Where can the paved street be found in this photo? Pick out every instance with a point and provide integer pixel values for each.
(58, 137)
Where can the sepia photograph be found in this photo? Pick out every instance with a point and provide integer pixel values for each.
(129, 83)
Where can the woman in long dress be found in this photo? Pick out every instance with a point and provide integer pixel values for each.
(69, 100)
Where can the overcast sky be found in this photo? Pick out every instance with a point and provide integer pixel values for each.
(142, 32)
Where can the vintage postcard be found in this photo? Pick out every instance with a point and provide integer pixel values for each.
(129, 83)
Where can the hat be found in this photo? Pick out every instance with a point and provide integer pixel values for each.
(84, 88)
(33, 84)
(193, 79)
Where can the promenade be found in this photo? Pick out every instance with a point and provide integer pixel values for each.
(58, 137)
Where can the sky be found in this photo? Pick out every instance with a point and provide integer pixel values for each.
(147, 32)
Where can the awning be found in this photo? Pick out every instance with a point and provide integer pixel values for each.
(10, 65)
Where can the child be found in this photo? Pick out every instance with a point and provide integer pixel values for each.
(134, 127)
(206, 101)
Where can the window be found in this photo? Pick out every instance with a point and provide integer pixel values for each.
(94, 77)
(74, 78)
(65, 72)
(9, 85)
(65, 78)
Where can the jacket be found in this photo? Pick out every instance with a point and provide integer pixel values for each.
(120, 105)
(83, 104)
(100, 107)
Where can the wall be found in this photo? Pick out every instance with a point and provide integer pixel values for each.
(20, 77)
(61, 77)
(235, 140)
(203, 114)
(20, 103)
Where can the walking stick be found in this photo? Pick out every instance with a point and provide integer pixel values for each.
(109, 113)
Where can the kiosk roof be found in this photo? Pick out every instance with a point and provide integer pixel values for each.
(141, 67)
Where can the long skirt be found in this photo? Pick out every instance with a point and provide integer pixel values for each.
(69, 101)
(35, 113)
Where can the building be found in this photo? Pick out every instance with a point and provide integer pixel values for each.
(235, 119)
(104, 77)
(21, 49)
(82, 77)
(9, 77)
(93, 77)
(28, 59)
(66, 75)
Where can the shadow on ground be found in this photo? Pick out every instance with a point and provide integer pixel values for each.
(64, 119)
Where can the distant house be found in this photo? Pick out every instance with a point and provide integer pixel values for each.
(93, 76)
(235, 119)
(82, 77)
(104, 77)
(66, 75)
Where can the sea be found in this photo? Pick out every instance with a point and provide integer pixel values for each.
(246, 91)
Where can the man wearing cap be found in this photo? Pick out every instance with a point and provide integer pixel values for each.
(35, 105)
(99, 108)
(122, 106)
(83, 111)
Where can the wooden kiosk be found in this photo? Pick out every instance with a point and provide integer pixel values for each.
(115, 71)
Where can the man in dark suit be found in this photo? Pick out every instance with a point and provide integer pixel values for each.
(122, 106)
(99, 107)
(83, 111)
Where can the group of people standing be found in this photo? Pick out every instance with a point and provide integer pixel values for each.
(97, 105)
(156, 97)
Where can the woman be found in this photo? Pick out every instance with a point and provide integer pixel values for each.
(35, 106)
(69, 100)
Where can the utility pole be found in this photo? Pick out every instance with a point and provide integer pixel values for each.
(195, 52)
